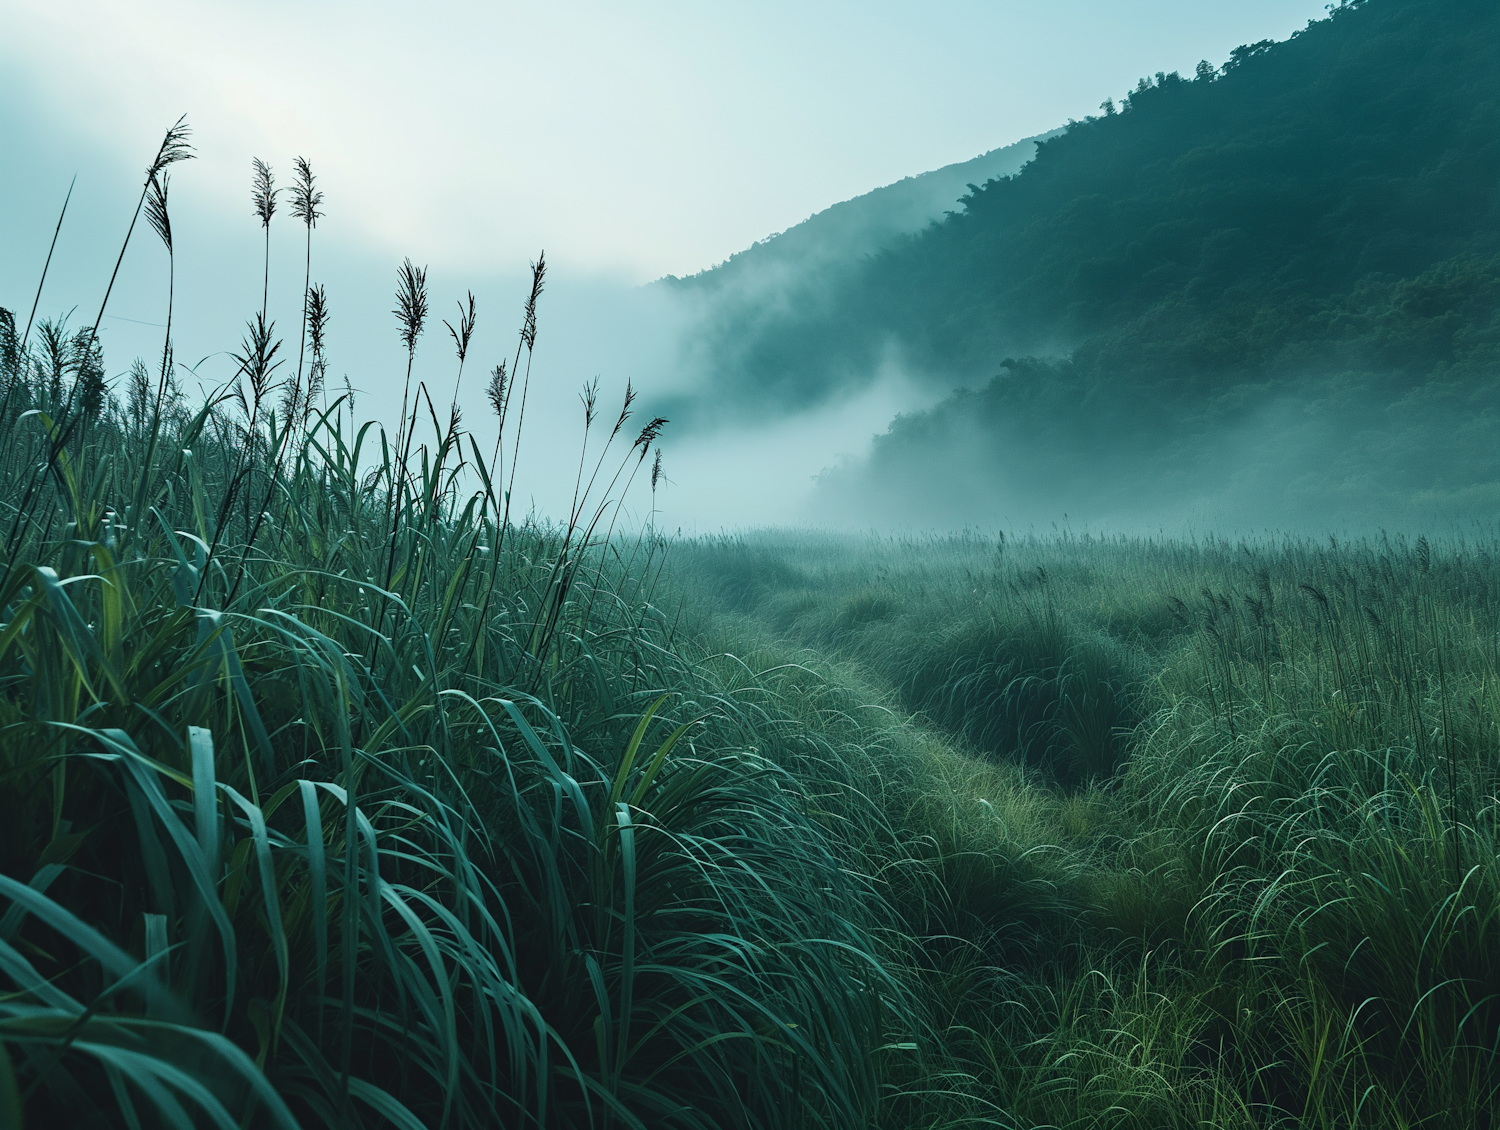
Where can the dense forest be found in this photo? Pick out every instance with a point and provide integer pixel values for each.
(1316, 219)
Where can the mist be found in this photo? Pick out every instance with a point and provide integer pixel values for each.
(882, 362)
(1348, 452)
(765, 566)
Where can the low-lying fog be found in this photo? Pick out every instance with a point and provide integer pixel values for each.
(882, 446)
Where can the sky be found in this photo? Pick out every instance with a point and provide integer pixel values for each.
(629, 141)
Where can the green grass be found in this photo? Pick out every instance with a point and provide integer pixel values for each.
(1275, 904)
(334, 795)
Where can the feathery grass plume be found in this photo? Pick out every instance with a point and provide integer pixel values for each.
(317, 322)
(528, 323)
(257, 363)
(263, 193)
(293, 405)
(49, 360)
(590, 398)
(626, 407)
(306, 197)
(464, 332)
(316, 319)
(174, 148)
(656, 478)
(305, 202)
(495, 391)
(461, 337)
(411, 317)
(138, 394)
(648, 435)
(411, 303)
(156, 209)
(86, 362)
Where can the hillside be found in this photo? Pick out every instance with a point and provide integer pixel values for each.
(1325, 206)
(1338, 187)
(870, 222)
(797, 270)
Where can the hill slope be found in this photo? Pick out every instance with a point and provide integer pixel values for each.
(738, 301)
(1208, 255)
(871, 222)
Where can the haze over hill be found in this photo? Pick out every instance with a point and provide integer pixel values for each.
(790, 274)
(1268, 293)
(707, 317)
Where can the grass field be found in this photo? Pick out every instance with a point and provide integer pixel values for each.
(336, 794)
(1180, 834)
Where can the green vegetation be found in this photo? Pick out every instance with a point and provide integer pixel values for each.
(1253, 877)
(332, 795)
(1327, 200)
(1275, 285)
(804, 267)
(336, 795)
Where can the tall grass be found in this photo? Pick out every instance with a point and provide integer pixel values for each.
(1278, 905)
(334, 797)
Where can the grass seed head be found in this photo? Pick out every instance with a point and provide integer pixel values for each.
(305, 196)
(590, 398)
(174, 148)
(528, 324)
(648, 435)
(317, 321)
(465, 329)
(496, 389)
(138, 392)
(156, 210)
(411, 303)
(625, 408)
(263, 191)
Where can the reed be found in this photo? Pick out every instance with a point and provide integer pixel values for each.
(306, 200)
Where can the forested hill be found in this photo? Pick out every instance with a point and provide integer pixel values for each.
(736, 303)
(849, 231)
(1330, 199)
